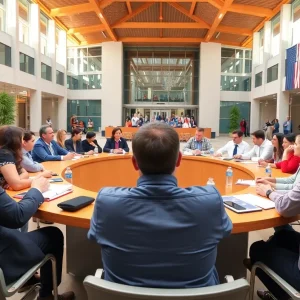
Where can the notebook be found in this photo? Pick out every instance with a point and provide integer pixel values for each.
(55, 191)
(239, 206)
(246, 182)
(257, 201)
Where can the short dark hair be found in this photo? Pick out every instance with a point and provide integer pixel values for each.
(27, 135)
(200, 129)
(90, 134)
(259, 134)
(75, 131)
(43, 130)
(238, 132)
(155, 147)
(114, 131)
(291, 137)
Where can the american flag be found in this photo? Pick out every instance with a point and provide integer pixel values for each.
(293, 68)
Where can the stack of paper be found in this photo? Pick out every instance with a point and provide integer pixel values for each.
(256, 200)
(57, 190)
(246, 182)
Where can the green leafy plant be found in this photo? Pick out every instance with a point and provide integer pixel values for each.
(7, 109)
(234, 119)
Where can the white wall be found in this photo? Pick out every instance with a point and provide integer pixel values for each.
(112, 84)
(236, 96)
(49, 109)
(209, 86)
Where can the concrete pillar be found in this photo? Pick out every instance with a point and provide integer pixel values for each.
(51, 45)
(62, 113)
(12, 28)
(36, 110)
(61, 56)
(209, 86)
(112, 84)
(282, 110)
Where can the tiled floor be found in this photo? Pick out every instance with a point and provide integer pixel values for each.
(75, 284)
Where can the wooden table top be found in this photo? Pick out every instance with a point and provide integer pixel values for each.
(91, 174)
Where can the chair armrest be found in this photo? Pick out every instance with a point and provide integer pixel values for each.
(276, 278)
(99, 273)
(229, 278)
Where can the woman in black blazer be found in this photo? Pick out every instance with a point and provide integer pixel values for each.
(90, 143)
(74, 143)
(116, 144)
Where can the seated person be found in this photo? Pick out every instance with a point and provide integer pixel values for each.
(61, 137)
(12, 175)
(46, 149)
(90, 143)
(236, 146)
(193, 122)
(263, 148)
(198, 144)
(21, 251)
(284, 183)
(290, 162)
(74, 143)
(153, 231)
(277, 142)
(116, 144)
(27, 162)
(281, 251)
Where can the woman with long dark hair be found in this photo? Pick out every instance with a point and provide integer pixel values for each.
(12, 175)
(116, 144)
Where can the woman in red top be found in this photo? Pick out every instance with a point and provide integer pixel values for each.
(290, 162)
(243, 126)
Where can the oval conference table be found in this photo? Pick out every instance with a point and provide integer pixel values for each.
(95, 172)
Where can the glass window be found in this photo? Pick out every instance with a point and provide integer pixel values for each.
(2, 15)
(258, 79)
(235, 83)
(261, 46)
(275, 35)
(5, 55)
(296, 22)
(44, 32)
(24, 21)
(272, 73)
(46, 72)
(26, 63)
(60, 78)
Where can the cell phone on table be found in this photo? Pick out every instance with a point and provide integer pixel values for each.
(55, 180)
(54, 174)
(234, 205)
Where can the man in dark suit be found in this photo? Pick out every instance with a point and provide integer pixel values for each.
(46, 149)
(21, 251)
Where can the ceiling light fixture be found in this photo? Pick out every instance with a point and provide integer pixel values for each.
(101, 16)
(103, 33)
(217, 35)
(220, 16)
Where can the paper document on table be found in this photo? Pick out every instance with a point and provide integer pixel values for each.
(256, 200)
(187, 153)
(57, 190)
(246, 182)
(249, 162)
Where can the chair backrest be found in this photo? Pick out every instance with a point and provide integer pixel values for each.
(100, 289)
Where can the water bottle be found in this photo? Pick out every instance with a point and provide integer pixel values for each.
(211, 151)
(96, 151)
(268, 171)
(210, 181)
(69, 175)
(229, 176)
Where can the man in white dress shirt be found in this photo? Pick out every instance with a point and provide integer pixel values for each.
(134, 120)
(234, 147)
(263, 148)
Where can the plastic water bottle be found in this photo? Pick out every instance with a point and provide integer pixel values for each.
(210, 181)
(96, 151)
(268, 171)
(69, 175)
(229, 176)
(211, 151)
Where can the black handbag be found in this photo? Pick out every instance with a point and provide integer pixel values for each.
(76, 203)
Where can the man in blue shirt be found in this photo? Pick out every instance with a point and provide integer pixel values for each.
(157, 234)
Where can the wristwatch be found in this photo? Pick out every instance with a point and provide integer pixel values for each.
(268, 193)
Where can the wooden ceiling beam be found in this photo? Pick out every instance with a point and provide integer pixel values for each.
(234, 30)
(250, 10)
(70, 10)
(218, 20)
(160, 40)
(275, 11)
(228, 43)
(152, 25)
(192, 9)
(187, 13)
(105, 3)
(133, 14)
(86, 29)
(100, 14)
(129, 7)
(216, 3)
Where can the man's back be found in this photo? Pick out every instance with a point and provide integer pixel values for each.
(159, 235)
